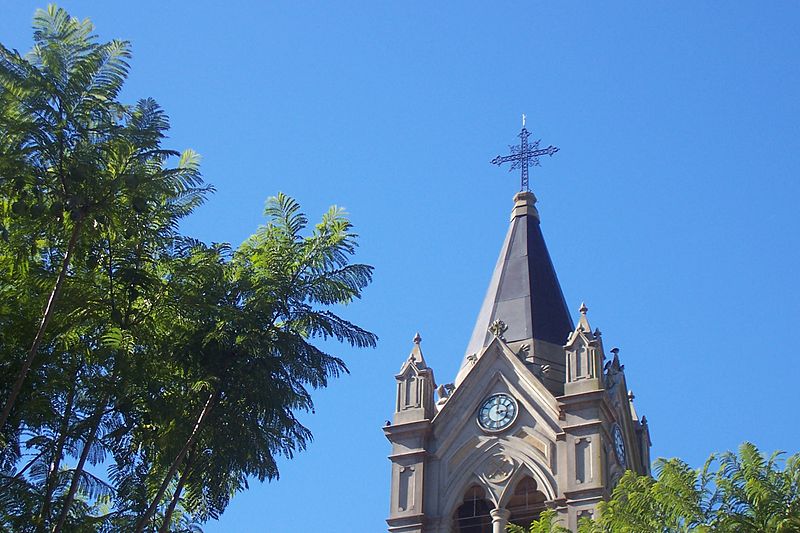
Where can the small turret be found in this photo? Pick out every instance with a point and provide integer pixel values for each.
(408, 434)
(415, 388)
(584, 351)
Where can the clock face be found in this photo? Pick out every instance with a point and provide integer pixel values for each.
(497, 412)
(619, 445)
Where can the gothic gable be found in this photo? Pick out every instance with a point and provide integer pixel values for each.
(466, 454)
(497, 365)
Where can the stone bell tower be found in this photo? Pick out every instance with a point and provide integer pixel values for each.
(538, 416)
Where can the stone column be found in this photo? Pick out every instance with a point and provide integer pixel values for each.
(499, 520)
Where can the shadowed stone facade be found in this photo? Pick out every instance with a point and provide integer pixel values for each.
(539, 416)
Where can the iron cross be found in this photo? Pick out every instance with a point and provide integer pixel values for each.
(523, 155)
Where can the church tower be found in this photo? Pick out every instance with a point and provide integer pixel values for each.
(538, 416)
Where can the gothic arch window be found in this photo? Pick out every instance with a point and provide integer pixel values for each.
(472, 516)
(526, 503)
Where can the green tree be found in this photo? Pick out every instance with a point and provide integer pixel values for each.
(89, 202)
(254, 357)
(547, 523)
(679, 499)
(746, 493)
(756, 494)
(58, 109)
(78, 166)
(124, 344)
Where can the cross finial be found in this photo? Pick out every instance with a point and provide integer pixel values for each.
(524, 155)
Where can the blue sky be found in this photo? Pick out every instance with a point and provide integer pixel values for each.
(670, 209)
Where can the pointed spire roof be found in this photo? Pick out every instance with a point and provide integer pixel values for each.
(583, 322)
(416, 353)
(416, 356)
(524, 291)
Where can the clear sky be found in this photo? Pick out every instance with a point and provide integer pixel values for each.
(671, 208)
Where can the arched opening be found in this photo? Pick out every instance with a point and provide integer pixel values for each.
(526, 503)
(472, 516)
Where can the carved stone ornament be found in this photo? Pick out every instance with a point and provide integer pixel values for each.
(498, 328)
(499, 468)
(442, 392)
(524, 351)
(445, 390)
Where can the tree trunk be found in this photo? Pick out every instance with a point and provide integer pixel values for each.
(55, 464)
(201, 420)
(48, 313)
(176, 496)
(97, 417)
(29, 464)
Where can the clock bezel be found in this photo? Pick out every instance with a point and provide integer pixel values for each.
(505, 427)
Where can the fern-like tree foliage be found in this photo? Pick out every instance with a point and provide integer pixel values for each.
(733, 493)
(144, 377)
(245, 331)
(80, 171)
(547, 523)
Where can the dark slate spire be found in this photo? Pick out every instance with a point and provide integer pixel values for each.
(524, 291)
